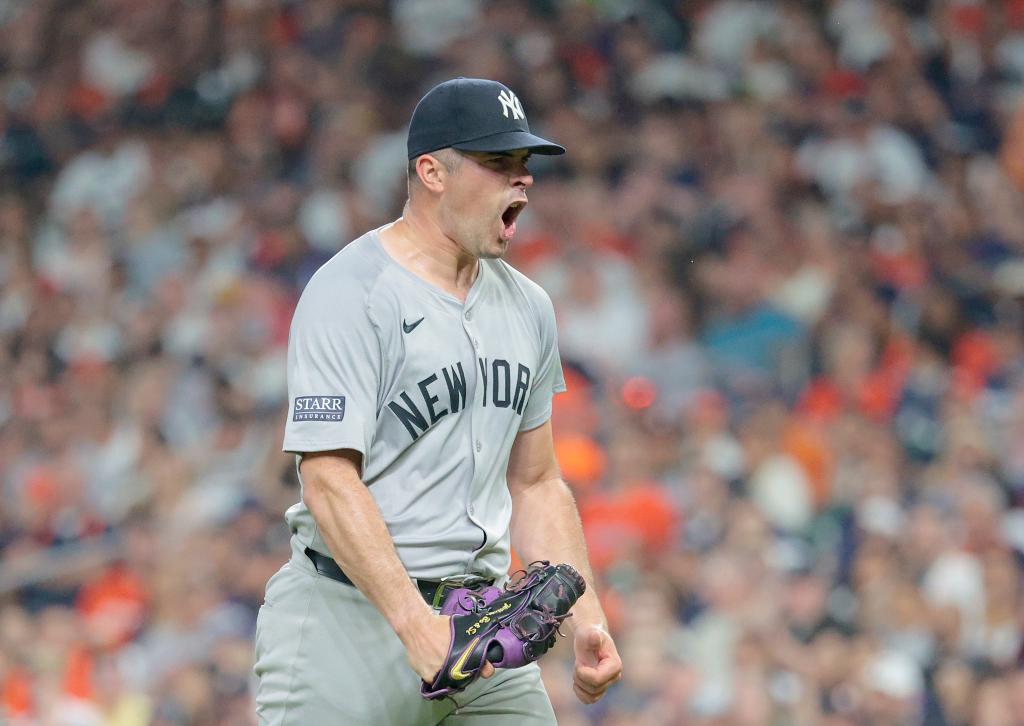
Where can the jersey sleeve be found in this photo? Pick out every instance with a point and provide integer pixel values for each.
(334, 370)
(549, 379)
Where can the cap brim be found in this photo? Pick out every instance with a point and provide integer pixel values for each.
(510, 141)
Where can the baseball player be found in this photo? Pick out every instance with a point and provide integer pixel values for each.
(421, 369)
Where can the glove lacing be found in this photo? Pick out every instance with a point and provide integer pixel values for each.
(522, 579)
(472, 602)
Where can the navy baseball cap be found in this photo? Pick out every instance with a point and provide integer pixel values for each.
(472, 114)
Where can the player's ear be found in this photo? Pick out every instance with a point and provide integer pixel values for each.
(431, 172)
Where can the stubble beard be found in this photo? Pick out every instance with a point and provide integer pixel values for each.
(497, 250)
(490, 246)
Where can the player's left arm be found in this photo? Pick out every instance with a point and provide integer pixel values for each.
(546, 526)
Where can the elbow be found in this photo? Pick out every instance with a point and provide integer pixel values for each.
(315, 494)
(325, 478)
(563, 491)
(313, 486)
(549, 487)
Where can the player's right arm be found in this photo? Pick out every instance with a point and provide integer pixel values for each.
(351, 525)
(335, 367)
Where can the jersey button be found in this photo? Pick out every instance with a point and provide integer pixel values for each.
(476, 344)
(472, 509)
(479, 446)
(469, 315)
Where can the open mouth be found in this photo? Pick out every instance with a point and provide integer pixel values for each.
(508, 218)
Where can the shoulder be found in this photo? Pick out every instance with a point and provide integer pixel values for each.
(532, 294)
(349, 276)
(345, 283)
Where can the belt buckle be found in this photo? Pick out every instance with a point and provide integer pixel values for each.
(454, 582)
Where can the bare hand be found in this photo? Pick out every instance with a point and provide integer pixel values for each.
(427, 646)
(598, 665)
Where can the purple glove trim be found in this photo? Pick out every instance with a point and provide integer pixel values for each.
(463, 600)
(509, 628)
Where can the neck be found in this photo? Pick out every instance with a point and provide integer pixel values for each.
(417, 242)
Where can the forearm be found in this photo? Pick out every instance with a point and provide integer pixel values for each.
(352, 526)
(546, 526)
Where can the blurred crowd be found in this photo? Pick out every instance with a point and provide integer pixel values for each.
(786, 251)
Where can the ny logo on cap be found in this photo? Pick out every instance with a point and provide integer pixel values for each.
(509, 102)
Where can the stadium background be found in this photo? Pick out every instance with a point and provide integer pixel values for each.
(787, 256)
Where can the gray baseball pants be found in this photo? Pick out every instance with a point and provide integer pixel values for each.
(326, 656)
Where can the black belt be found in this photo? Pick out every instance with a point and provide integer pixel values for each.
(433, 591)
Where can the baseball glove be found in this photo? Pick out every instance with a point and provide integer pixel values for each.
(509, 628)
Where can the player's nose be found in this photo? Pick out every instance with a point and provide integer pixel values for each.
(522, 177)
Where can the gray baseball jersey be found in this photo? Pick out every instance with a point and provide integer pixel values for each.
(430, 390)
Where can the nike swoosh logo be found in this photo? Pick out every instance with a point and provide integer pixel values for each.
(409, 328)
(456, 671)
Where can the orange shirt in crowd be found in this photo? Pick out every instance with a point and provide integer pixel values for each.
(640, 518)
